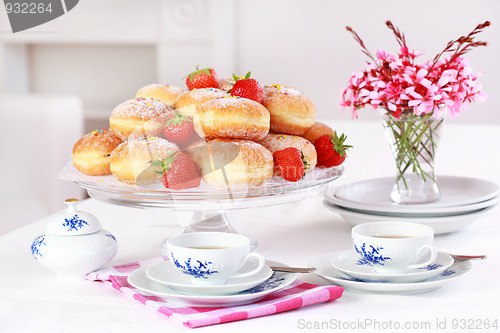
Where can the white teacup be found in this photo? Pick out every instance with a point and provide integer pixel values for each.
(210, 258)
(394, 247)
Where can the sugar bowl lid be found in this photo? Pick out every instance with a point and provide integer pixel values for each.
(73, 222)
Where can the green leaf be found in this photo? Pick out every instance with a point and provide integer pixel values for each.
(198, 71)
(236, 78)
(306, 164)
(206, 71)
(178, 119)
(156, 163)
(339, 145)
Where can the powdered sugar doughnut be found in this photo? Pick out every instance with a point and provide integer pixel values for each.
(163, 92)
(317, 130)
(291, 111)
(187, 103)
(226, 162)
(231, 118)
(274, 142)
(131, 161)
(91, 153)
(139, 117)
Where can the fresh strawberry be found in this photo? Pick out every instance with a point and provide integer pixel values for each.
(247, 88)
(179, 171)
(331, 150)
(202, 78)
(179, 129)
(290, 163)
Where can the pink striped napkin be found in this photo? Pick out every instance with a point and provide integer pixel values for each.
(294, 296)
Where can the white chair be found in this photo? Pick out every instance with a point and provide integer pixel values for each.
(37, 134)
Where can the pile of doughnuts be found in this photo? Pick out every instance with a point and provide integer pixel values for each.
(234, 140)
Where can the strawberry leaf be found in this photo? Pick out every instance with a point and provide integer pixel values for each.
(165, 163)
(178, 119)
(192, 74)
(237, 78)
(338, 144)
(206, 71)
(156, 163)
(198, 71)
(306, 164)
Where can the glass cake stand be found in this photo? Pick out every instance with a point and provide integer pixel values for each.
(208, 203)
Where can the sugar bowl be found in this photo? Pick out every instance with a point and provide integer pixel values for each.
(74, 244)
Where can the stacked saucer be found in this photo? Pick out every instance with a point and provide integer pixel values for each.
(344, 269)
(163, 280)
(348, 262)
(463, 200)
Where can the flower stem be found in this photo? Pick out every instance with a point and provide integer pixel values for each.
(414, 143)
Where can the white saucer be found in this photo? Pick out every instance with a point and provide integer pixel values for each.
(277, 281)
(327, 271)
(441, 225)
(458, 194)
(347, 262)
(166, 273)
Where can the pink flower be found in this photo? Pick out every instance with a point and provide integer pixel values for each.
(385, 57)
(405, 53)
(425, 100)
(398, 83)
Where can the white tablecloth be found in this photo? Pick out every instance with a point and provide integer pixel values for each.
(32, 299)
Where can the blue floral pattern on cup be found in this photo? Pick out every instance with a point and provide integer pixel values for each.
(74, 223)
(35, 246)
(371, 256)
(197, 269)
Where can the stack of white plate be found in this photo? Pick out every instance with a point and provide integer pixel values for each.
(463, 200)
(164, 280)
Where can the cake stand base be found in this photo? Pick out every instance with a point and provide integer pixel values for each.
(208, 221)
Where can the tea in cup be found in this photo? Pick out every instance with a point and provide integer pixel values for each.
(394, 247)
(210, 258)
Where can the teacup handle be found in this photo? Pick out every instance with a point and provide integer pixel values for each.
(420, 251)
(259, 267)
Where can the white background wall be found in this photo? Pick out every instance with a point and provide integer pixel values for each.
(305, 44)
(104, 51)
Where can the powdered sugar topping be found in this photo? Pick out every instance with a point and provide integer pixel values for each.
(284, 89)
(140, 107)
(205, 93)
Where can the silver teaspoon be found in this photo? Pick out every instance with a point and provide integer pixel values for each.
(464, 258)
(293, 269)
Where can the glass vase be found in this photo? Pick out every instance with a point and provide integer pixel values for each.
(414, 141)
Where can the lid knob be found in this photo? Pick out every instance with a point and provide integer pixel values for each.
(71, 203)
(73, 222)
